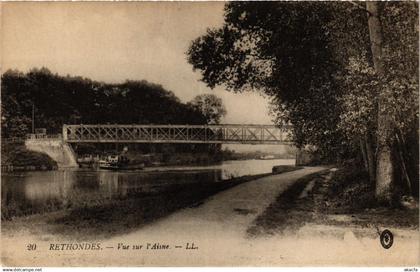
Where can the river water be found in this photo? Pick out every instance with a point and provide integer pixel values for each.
(34, 192)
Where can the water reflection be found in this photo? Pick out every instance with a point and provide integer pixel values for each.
(33, 192)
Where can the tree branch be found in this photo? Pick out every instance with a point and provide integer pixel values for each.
(359, 7)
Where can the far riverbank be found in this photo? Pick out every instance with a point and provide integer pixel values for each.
(16, 157)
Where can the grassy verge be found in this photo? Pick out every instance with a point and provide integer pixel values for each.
(282, 214)
(349, 192)
(16, 157)
(343, 199)
(278, 169)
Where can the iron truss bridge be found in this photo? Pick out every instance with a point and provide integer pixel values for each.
(223, 134)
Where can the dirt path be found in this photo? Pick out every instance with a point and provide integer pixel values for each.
(215, 234)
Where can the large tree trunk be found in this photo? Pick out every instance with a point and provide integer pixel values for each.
(364, 156)
(403, 159)
(370, 158)
(366, 148)
(384, 167)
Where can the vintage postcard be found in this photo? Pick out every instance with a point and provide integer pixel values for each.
(144, 134)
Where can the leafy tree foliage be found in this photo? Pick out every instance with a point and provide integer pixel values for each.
(62, 100)
(314, 60)
(283, 50)
(210, 106)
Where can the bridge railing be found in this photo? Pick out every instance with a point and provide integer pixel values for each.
(34, 136)
(13, 140)
(266, 134)
(40, 136)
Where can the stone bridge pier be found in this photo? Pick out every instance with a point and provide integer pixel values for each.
(59, 150)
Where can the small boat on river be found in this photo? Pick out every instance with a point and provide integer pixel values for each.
(87, 161)
(119, 162)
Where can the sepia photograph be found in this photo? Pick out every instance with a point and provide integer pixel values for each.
(209, 134)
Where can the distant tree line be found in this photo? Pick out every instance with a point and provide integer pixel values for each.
(58, 100)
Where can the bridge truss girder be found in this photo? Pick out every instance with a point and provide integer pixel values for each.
(218, 134)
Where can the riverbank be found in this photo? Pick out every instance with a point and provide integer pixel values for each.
(15, 157)
(108, 217)
(218, 226)
(180, 158)
(215, 225)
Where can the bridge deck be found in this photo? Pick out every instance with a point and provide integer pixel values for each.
(236, 134)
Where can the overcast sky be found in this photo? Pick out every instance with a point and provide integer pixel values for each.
(113, 42)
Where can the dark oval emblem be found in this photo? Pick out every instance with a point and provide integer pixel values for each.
(387, 239)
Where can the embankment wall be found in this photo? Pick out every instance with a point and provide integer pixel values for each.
(57, 149)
